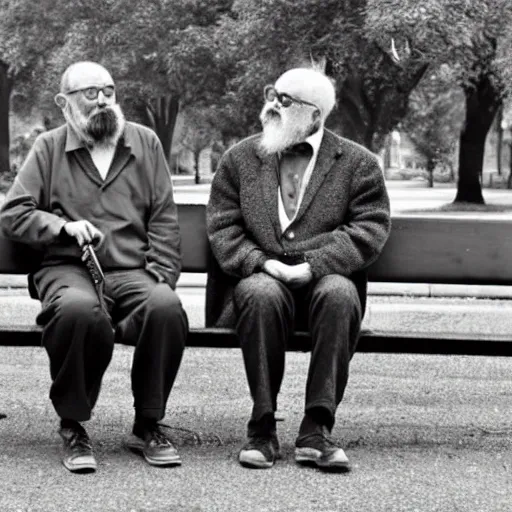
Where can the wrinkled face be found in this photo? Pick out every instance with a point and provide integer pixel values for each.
(88, 102)
(284, 126)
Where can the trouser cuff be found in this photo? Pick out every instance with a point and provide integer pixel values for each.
(262, 426)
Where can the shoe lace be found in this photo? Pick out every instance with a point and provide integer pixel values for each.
(158, 436)
(80, 442)
(327, 441)
(260, 441)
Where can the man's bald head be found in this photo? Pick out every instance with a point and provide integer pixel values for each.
(309, 85)
(88, 102)
(84, 74)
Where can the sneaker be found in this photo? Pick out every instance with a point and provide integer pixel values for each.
(260, 452)
(154, 445)
(317, 449)
(78, 455)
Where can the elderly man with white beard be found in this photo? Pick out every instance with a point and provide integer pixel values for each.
(295, 217)
(103, 181)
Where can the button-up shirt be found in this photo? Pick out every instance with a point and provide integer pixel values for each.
(314, 141)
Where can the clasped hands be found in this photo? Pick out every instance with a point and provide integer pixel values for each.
(293, 276)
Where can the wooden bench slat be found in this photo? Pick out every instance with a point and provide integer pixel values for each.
(446, 250)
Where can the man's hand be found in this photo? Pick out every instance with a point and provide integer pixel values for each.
(84, 232)
(293, 276)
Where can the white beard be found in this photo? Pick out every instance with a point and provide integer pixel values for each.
(285, 131)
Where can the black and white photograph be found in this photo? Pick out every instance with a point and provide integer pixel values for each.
(256, 255)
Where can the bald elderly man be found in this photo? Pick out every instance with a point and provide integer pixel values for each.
(295, 216)
(100, 180)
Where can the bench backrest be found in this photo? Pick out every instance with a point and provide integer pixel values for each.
(419, 250)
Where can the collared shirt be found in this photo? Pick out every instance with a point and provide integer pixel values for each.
(101, 156)
(133, 206)
(314, 140)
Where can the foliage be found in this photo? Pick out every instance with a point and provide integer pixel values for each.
(213, 57)
(153, 48)
(465, 39)
(269, 36)
(434, 119)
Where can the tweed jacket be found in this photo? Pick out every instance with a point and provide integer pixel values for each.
(340, 228)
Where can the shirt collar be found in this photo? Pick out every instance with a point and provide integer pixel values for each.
(316, 139)
(73, 142)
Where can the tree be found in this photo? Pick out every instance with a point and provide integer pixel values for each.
(433, 121)
(6, 82)
(268, 36)
(29, 31)
(197, 135)
(160, 52)
(474, 40)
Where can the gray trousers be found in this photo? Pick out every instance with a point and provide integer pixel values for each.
(267, 312)
(79, 336)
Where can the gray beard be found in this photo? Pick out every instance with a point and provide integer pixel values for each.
(79, 123)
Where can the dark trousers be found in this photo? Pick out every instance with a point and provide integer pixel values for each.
(268, 312)
(79, 336)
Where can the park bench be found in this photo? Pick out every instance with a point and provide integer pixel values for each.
(420, 250)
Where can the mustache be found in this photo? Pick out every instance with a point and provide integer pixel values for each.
(270, 113)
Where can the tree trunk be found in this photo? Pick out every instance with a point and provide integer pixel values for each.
(452, 172)
(5, 94)
(482, 103)
(499, 142)
(351, 116)
(509, 179)
(162, 118)
(367, 116)
(197, 175)
(431, 165)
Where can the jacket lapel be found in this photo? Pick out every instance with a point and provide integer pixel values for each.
(329, 151)
(269, 185)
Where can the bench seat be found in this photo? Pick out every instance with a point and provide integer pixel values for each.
(456, 250)
(370, 341)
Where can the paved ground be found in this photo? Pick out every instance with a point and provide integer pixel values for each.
(424, 433)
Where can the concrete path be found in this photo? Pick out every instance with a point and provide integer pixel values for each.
(424, 433)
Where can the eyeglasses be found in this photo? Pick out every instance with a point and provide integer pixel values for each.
(91, 93)
(286, 100)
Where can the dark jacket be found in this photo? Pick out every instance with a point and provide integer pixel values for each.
(340, 228)
(133, 206)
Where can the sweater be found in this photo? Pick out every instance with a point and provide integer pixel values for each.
(133, 207)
